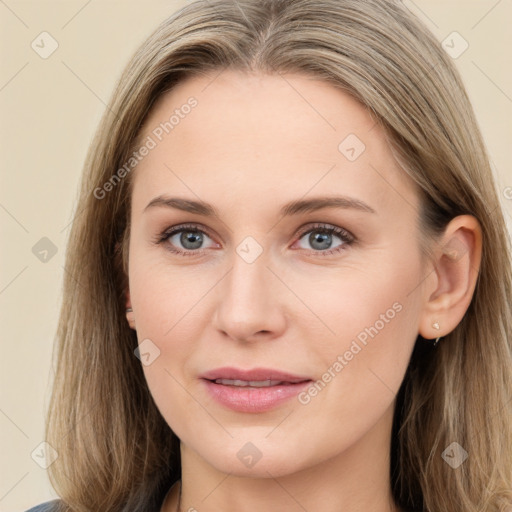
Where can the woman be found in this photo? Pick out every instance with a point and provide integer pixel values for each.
(288, 282)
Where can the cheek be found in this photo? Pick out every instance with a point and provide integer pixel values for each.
(168, 301)
(375, 298)
(163, 293)
(374, 315)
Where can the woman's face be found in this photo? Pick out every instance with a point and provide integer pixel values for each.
(261, 285)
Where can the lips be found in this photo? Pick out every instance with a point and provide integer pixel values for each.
(251, 383)
(255, 390)
(255, 375)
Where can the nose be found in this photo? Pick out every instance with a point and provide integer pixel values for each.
(250, 302)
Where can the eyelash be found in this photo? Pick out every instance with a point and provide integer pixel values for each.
(347, 238)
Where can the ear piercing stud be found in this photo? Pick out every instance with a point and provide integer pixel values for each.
(436, 326)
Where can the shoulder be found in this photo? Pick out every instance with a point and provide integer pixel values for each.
(47, 506)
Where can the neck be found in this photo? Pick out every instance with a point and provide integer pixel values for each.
(356, 480)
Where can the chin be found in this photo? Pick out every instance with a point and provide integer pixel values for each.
(258, 459)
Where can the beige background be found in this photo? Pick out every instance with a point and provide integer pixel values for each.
(49, 109)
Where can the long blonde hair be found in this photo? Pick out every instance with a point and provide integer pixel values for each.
(116, 452)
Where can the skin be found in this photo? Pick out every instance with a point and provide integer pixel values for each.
(253, 143)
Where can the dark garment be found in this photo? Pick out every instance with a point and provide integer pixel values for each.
(53, 506)
(49, 506)
(140, 504)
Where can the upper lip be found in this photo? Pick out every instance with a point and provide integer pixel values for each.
(253, 374)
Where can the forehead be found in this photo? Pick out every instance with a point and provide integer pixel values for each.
(250, 134)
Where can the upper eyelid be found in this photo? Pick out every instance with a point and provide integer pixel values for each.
(324, 225)
(183, 227)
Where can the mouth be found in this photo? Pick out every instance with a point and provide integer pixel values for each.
(263, 376)
(253, 383)
(254, 391)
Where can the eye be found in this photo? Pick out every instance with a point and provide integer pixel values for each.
(188, 240)
(320, 238)
(190, 237)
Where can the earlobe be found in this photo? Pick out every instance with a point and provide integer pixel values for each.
(456, 266)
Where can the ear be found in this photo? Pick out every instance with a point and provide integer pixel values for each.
(129, 314)
(130, 317)
(449, 288)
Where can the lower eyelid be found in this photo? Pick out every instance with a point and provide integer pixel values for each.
(344, 245)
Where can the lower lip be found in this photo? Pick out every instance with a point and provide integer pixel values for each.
(249, 399)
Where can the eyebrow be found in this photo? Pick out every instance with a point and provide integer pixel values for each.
(291, 208)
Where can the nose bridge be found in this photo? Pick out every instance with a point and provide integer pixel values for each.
(248, 303)
(246, 285)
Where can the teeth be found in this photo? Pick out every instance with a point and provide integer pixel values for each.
(251, 383)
